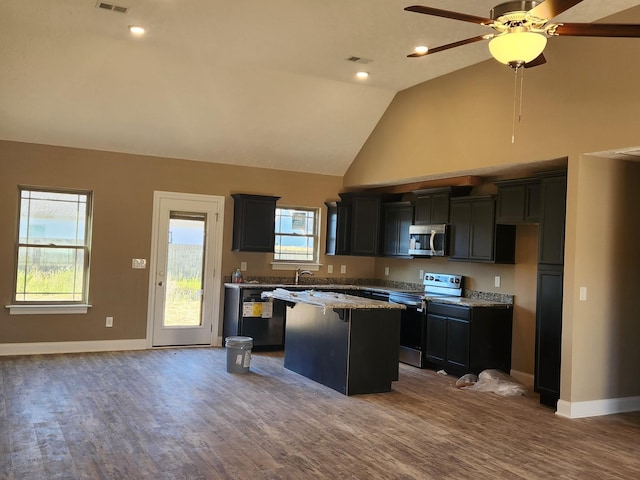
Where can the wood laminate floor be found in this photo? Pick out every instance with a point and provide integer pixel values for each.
(177, 414)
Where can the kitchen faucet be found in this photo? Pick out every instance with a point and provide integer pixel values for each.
(299, 273)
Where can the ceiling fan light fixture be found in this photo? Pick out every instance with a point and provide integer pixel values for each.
(517, 48)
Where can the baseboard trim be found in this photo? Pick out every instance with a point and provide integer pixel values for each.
(524, 378)
(44, 348)
(595, 408)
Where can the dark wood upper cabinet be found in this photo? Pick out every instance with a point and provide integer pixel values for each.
(432, 206)
(475, 235)
(366, 213)
(552, 220)
(355, 224)
(397, 217)
(254, 218)
(338, 228)
(518, 201)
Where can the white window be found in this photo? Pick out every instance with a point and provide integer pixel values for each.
(53, 247)
(296, 235)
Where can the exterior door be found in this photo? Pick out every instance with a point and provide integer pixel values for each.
(185, 273)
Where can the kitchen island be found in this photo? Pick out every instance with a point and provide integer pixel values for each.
(347, 343)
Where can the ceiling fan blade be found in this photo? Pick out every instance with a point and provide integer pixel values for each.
(448, 14)
(539, 60)
(450, 45)
(598, 30)
(551, 8)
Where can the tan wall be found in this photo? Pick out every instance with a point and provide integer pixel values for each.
(123, 188)
(600, 335)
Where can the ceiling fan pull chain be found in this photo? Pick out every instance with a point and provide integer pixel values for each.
(521, 94)
(515, 103)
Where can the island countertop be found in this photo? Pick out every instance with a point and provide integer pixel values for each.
(328, 300)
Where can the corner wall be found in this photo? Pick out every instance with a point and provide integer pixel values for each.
(600, 335)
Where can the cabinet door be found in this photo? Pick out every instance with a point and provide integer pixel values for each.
(436, 338)
(460, 229)
(552, 220)
(440, 208)
(532, 204)
(397, 219)
(254, 220)
(343, 232)
(548, 334)
(482, 229)
(458, 343)
(365, 225)
(422, 215)
(511, 204)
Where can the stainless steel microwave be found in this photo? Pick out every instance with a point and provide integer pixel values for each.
(429, 240)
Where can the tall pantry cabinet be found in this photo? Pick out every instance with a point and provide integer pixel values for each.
(550, 280)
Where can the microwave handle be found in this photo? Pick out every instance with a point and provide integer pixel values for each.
(432, 239)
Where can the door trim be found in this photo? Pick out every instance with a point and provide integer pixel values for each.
(217, 232)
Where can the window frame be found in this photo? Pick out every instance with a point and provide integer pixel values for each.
(48, 305)
(316, 237)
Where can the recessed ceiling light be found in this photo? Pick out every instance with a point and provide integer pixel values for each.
(421, 49)
(137, 29)
(362, 75)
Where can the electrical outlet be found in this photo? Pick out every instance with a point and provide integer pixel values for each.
(109, 322)
(329, 268)
(386, 270)
(583, 294)
(139, 263)
(496, 280)
(421, 275)
(343, 269)
(243, 266)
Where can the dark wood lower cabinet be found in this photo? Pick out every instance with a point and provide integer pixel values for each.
(549, 333)
(463, 339)
(352, 351)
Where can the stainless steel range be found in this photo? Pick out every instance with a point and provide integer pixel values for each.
(413, 323)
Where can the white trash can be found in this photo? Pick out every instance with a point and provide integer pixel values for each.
(238, 354)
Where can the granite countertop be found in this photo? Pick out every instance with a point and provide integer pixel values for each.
(328, 286)
(327, 300)
(471, 298)
(467, 301)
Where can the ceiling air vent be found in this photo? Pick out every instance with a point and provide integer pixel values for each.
(112, 7)
(361, 60)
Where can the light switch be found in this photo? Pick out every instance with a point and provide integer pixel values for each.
(421, 275)
(386, 270)
(583, 294)
(243, 266)
(343, 269)
(329, 268)
(496, 280)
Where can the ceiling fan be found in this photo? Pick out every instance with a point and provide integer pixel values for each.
(521, 30)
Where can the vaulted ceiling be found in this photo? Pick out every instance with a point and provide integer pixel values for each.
(252, 82)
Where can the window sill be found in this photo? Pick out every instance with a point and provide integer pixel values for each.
(47, 309)
(313, 267)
